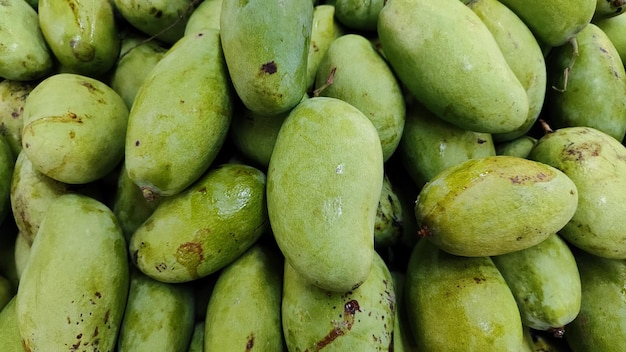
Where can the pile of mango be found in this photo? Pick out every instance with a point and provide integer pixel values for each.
(298, 175)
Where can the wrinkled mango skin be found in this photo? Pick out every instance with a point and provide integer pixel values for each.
(323, 187)
(596, 163)
(452, 64)
(65, 297)
(358, 320)
(495, 205)
(450, 302)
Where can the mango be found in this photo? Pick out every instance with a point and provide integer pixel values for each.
(613, 27)
(180, 117)
(519, 147)
(6, 173)
(358, 15)
(269, 75)
(357, 320)
(205, 15)
(362, 78)
(452, 64)
(596, 163)
(324, 29)
(403, 339)
(323, 187)
(389, 216)
(197, 338)
(554, 22)
(21, 252)
(163, 19)
(12, 98)
(608, 9)
(158, 316)
(65, 297)
(247, 293)
(24, 54)
(82, 35)
(450, 301)
(545, 282)
(74, 128)
(495, 205)
(205, 227)
(591, 94)
(9, 331)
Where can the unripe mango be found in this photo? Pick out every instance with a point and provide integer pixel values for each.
(205, 15)
(197, 338)
(164, 19)
(613, 27)
(324, 30)
(389, 216)
(519, 147)
(9, 331)
(12, 98)
(608, 9)
(323, 187)
(358, 14)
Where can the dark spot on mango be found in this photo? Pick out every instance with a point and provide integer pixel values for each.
(478, 280)
(106, 316)
(161, 267)
(269, 67)
(72, 134)
(98, 294)
(136, 143)
(250, 342)
(95, 332)
(340, 327)
(190, 255)
(481, 141)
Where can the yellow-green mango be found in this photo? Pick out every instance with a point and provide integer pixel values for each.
(452, 64)
(601, 324)
(24, 54)
(197, 338)
(519, 147)
(389, 216)
(82, 35)
(205, 227)
(595, 85)
(269, 75)
(74, 128)
(75, 285)
(364, 79)
(323, 187)
(163, 19)
(596, 163)
(180, 117)
(205, 15)
(21, 252)
(158, 316)
(614, 28)
(522, 53)
(12, 98)
(403, 340)
(495, 205)
(545, 282)
(9, 331)
(430, 145)
(458, 303)
(608, 9)
(244, 312)
(553, 22)
(7, 163)
(360, 320)
(360, 15)
(324, 29)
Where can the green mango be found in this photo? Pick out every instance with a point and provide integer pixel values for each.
(65, 297)
(596, 163)
(459, 303)
(430, 145)
(197, 338)
(21, 253)
(12, 98)
(596, 85)
(9, 331)
(7, 163)
(522, 53)
(553, 22)
(389, 216)
(158, 316)
(614, 28)
(269, 75)
(180, 116)
(163, 19)
(324, 29)
(205, 15)
(545, 282)
(403, 340)
(248, 294)
(358, 14)
(74, 128)
(357, 320)
(495, 205)
(24, 54)
(608, 9)
(601, 324)
(519, 147)
(362, 78)
(452, 64)
(82, 35)
(215, 220)
(324, 183)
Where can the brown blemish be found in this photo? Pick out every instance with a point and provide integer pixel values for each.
(479, 280)
(581, 151)
(106, 316)
(269, 67)
(250, 342)
(524, 179)
(190, 255)
(424, 231)
(481, 141)
(160, 267)
(95, 332)
(136, 143)
(98, 294)
(72, 134)
(341, 327)
(88, 86)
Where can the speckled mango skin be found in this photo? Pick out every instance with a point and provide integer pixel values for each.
(248, 293)
(459, 303)
(65, 297)
(495, 205)
(452, 64)
(360, 320)
(180, 116)
(545, 282)
(323, 187)
(215, 220)
(269, 75)
(596, 163)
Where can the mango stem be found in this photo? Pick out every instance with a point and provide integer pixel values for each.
(574, 43)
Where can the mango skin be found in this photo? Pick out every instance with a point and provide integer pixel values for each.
(596, 163)
(13, 94)
(388, 226)
(158, 316)
(9, 331)
(519, 147)
(74, 128)
(269, 75)
(613, 27)
(329, 151)
(6, 173)
(154, 16)
(248, 293)
(205, 15)
(495, 205)
(452, 64)
(197, 338)
(324, 30)
(608, 9)
(24, 54)
(450, 302)
(358, 15)
(545, 282)
(187, 102)
(403, 339)
(358, 320)
(215, 220)
(65, 297)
